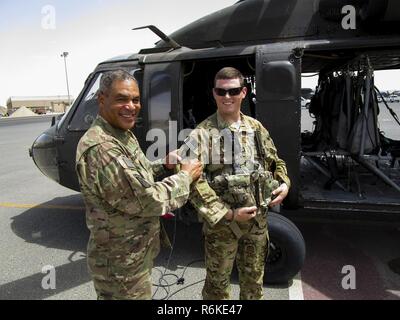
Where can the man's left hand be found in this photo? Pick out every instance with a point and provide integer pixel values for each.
(279, 193)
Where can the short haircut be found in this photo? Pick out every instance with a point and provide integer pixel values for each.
(228, 73)
(108, 78)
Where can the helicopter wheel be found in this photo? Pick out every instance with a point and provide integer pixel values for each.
(287, 250)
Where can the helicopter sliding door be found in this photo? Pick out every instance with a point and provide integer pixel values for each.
(161, 100)
(278, 80)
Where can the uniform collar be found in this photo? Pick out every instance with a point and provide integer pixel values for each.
(115, 132)
(222, 124)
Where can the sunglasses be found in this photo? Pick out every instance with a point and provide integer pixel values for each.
(232, 92)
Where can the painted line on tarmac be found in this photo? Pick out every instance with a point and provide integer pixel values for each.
(296, 289)
(38, 206)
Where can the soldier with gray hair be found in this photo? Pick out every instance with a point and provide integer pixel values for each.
(234, 196)
(123, 201)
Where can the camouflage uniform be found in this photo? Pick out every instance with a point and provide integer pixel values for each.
(225, 240)
(123, 206)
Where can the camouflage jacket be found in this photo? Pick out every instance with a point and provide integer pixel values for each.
(205, 143)
(123, 203)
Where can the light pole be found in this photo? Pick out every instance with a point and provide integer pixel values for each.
(65, 55)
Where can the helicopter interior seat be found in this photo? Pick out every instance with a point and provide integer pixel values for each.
(346, 110)
(341, 116)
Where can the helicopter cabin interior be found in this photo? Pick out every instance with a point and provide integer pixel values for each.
(349, 154)
(342, 152)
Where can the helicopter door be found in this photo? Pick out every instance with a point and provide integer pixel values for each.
(278, 84)
(161, 100)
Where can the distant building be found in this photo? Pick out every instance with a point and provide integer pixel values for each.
(39, 105)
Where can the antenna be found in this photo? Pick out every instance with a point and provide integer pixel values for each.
(162, 35)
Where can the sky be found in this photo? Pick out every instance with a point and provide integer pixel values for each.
(34, 33)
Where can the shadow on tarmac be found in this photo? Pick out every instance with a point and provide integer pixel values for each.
(69, 276)
(60, 224)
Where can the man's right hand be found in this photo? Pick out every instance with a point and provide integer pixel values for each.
(193, 167)
(242, 214)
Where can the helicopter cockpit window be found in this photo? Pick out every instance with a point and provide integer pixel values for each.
(63, 118)
(88, 107)
(160, 102)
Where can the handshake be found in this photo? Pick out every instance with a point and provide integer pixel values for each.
(191, 166)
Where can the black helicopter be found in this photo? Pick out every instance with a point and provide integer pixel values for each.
(345, 165)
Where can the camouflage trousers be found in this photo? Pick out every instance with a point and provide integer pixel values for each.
(223, 247)
(112, 282)
(129, 288)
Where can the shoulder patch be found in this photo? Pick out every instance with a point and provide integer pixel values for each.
(125, 162)
(142, 181)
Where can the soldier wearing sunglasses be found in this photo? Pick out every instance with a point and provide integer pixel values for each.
(234, 193)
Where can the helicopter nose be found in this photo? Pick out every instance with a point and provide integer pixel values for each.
(43, 153)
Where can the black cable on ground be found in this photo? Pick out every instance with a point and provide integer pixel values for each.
(169, 260)
(192, 284)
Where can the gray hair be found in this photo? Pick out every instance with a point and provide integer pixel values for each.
(108, 78)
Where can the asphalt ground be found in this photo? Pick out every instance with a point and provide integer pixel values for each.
(43, 224)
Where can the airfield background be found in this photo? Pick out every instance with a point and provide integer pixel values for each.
(44, 104)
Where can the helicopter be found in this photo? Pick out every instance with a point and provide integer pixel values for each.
(345, 165)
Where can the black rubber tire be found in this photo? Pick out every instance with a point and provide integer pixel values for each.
(287, 259)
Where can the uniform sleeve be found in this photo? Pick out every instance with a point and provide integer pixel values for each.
(276, 165)
(203, 198)
(158, 168)
(207, 203)
(122, 184)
